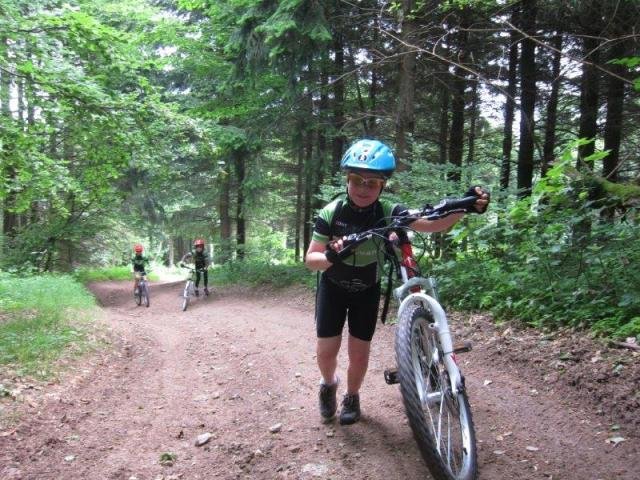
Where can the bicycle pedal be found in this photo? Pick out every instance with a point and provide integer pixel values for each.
(391, 376)
(462, 347)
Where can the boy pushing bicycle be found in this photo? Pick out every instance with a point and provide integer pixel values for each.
(201, 261)
(349, 290)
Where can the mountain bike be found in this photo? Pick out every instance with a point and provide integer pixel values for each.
(141, 292)
(190, 287)
(431, 383)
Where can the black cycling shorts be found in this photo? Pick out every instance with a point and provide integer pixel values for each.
(334, 305)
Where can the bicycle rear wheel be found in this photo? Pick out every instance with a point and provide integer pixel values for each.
(441, 422)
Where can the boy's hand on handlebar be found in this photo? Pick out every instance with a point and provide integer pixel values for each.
(332, 250)
(332, 256)
(483, 199)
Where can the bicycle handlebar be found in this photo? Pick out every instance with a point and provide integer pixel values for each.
(182, 265)
(443, 209)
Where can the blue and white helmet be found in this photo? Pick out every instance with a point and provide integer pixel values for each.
(371, 156)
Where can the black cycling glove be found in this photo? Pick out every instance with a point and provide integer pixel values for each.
(472, 193)
(332, 256)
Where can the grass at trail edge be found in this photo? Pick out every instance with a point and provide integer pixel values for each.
(41, 318)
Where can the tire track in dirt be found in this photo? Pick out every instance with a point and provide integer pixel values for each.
(236, 364)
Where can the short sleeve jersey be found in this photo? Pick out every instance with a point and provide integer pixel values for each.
(201, 260)
(139, 263)
(362, 269)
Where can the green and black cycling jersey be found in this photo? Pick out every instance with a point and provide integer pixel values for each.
(139, 262)
(362, 269)
(201, 260)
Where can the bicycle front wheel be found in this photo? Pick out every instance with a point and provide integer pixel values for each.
(185, 297)
(441, 422)
(145, 295)
(137, 296)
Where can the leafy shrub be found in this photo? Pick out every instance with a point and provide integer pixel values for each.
(88, 274)
(249, 272)
(556, 258)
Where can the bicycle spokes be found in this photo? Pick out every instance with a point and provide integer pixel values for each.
(441, 409)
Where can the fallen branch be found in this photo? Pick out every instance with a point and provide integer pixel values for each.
(631, 346)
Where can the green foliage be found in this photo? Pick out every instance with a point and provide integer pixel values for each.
(633, 64)
(257, 273)
(89, 274)
(40, 320)
(553, 259)
(96, 128)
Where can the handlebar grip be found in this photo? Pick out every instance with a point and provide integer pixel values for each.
(464, 203)
(456, 204)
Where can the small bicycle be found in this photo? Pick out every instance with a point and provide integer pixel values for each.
(141, 292)
(190, 287)
(431, 383)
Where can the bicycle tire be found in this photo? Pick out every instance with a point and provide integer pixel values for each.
(422, 372)
(145, 294)
(138, 297)
(186, 297)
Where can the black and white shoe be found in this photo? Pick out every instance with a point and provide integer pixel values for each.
(327, 399)
(350, 412)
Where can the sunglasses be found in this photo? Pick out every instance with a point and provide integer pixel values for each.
(358, 181)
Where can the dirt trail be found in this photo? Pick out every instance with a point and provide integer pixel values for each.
(235, 365)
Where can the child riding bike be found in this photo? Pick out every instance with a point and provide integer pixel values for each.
(349, 290)
(139, 262)
(201, 261)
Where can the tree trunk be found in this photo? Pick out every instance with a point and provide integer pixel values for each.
(373, 88)
(308, 191)
(299, 199)
(338, 103)
(473, 117)
(589, 99)
(225, 217)
(319, 162)
(239, 161)
(456, 136)
(527, 98)
(443, 130)
(459, 83)
(615, 109)
(510, 104)
(552, 108)
(10, 219)
(405, 114)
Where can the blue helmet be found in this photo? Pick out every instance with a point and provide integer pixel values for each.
(369, 155)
